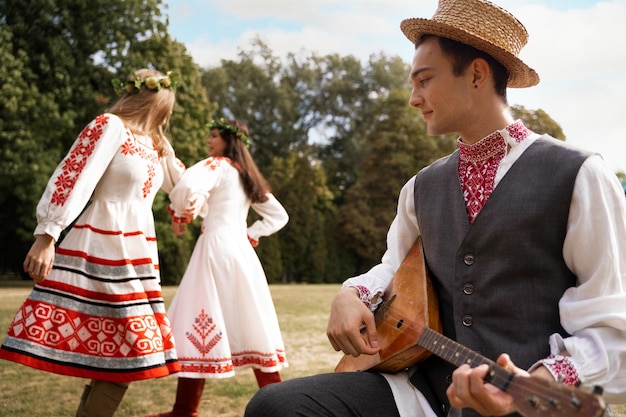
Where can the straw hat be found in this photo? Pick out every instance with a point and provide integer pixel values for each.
(484, 26)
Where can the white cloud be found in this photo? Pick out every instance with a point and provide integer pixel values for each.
(578, 53)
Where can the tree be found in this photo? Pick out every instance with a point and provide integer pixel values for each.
(252, 89)
(538, 121)
(60, 57)
(397, 148)
(26, 161)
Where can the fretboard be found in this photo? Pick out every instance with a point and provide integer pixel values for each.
(457, 354)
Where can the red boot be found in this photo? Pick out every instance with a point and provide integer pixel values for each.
(188, 395)
(266, 378)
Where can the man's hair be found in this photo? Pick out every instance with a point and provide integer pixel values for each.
(462, 55)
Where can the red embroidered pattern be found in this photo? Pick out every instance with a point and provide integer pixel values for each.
(518, 131)
(83, 148)
(129, 148)
(74, 331)
(477, 171)
(208, 336)
(364, 295)
(206, 368)
(562, 369)
(76, 160)
(479, 164)
(205, 336)
(215, 161)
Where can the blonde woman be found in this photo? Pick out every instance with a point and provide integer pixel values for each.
(96, 310)
(222, 315)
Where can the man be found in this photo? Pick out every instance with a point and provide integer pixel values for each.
(523, 236)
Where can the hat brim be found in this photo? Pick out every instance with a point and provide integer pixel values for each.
(520, 74)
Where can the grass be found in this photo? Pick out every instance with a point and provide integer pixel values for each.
(302, 311)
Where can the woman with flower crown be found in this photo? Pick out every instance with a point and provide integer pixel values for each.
(96, 310)
(223, 317)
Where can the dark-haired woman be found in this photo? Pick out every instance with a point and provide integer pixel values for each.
(223, 317)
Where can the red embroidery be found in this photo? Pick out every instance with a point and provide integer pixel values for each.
(478, 166)
(364, 295)
(77, 159)
(208, 336)
(130, 148)
(79, 332)
(562, 369)
(215, 161)
(518, 131)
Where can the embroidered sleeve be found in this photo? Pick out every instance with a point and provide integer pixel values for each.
(75, 178)
(562, 368)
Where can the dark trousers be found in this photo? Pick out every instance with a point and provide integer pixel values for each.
(343, 394)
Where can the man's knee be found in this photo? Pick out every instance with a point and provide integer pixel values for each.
(267, 402)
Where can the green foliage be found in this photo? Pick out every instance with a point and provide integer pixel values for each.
(538, 121)
(397, 148)
(335, 136)
(27, 159)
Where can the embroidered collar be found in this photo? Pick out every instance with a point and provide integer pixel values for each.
(494, 144)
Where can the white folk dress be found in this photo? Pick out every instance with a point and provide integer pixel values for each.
(223, 316)
(100, 312)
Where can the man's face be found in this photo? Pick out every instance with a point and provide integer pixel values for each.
(442, 97)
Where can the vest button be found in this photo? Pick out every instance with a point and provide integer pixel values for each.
(468, 320)
(468, 288)
(469, 259)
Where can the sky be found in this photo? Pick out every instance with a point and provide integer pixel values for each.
(576, 46)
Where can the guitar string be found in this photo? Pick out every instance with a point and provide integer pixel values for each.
(534, 385)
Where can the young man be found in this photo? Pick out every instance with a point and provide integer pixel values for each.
(524, 238)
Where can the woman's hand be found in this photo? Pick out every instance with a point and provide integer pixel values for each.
(178, 228)
(40, 257)
(192, 209)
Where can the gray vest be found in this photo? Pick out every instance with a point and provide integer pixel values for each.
(499, 279)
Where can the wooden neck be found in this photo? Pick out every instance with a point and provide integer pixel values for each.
(457, 354)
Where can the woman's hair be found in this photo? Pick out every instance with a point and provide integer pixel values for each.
(254, 184)
(147, 110)
(462, 55)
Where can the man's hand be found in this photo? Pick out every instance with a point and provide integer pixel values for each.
(351, 327)
(468, 389)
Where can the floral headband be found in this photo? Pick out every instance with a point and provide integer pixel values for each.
(169, 80)
(222, 125)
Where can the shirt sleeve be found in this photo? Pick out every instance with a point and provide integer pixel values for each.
(173, 168)
(73, 181)
(400, 238)
(273, 218)
(594, 312)
(196, 183)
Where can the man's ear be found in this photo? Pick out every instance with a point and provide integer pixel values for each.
(481, 72)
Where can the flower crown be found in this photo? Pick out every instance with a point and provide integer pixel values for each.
(169, 80)
(222, 125)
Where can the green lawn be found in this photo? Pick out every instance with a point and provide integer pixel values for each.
(302, 311)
